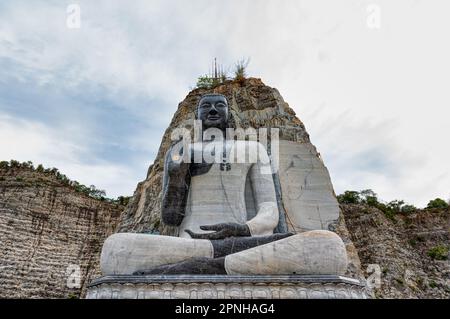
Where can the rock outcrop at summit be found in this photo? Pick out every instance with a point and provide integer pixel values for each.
(45, 227)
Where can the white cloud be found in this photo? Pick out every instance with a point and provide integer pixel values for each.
(29, 141)
(374, 101)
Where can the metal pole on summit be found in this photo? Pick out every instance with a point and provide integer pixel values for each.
(215, 68)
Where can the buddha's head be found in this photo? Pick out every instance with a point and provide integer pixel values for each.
(212, 110)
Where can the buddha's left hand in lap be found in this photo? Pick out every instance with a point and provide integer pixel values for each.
(222, 231)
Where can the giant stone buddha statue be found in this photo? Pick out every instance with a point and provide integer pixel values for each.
(204, 197)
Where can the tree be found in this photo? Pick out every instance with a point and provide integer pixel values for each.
(396, 206)
(408, 208)
(349, 197)
(14, 163)
(205, 82)
(54, 171)
(123, 200)
(28, 164)
(96, 193)
(4, 165)
(369, 197)
(437, 203)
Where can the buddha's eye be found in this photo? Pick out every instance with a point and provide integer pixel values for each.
(220, 105)
(205, 105)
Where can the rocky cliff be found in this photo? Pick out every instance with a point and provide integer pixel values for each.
(47, 231)
(411, 249)
(47, 225)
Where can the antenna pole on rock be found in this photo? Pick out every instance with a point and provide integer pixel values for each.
(215, 69)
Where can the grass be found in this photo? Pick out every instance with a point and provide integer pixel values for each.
(439, 252)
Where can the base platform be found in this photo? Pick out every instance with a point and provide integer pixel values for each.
(226, 287)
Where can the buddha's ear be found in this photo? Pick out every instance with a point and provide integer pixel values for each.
(196, 113)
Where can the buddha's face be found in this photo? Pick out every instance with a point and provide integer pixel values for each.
(213, 111)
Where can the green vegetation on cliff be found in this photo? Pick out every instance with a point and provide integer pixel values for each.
(437, 203)
(370, 198)
(90, 191)
(220, 76)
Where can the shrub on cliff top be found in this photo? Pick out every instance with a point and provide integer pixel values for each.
(123, 200)
(240, 71)
(204, 82)
(349, 197)
(370, 198)
(437, 203)
(90, 191)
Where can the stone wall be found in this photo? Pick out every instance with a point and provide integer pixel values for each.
(45, 227)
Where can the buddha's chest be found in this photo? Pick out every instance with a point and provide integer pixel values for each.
(220, 180)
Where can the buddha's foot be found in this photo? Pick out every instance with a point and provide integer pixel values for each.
(231, 245)
(193, 266)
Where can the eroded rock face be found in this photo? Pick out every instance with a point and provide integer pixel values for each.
(306, 197)
(400, 247)
(44, 228)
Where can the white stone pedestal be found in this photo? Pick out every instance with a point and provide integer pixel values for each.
(226, 287)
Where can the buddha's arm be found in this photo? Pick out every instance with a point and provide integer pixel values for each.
(175, 190)
(264, 194)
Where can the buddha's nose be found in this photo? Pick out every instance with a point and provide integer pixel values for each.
(213, 110)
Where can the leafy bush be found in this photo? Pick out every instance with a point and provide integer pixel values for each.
(412, 242)
(14, 164)
(432, 284)
(370, 198)
(349, 197)
(205, 82)
(28, 165)
(122, 200)
(4, 165)
(439, 252)
(395, 206)
(437, 203)
(96, 193)
(408, 208)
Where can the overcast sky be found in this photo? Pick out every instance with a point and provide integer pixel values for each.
(370, 80)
